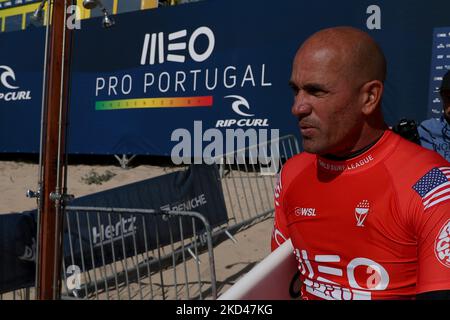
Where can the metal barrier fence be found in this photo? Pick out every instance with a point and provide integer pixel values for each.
(133, 254)
(248, 182)
(148, 254)
(130, 256)
(20, 294)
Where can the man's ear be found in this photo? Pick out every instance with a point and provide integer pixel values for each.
(371, 92)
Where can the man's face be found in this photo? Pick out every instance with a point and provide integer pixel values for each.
(326, 102)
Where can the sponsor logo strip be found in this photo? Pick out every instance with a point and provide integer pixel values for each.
(184, 102)
(331, 292)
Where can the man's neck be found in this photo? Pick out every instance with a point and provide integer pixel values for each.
(356, 153)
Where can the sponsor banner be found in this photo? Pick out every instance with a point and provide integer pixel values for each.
(197, 189)
(115, 236)
(440, 64)
(21, 90)
(226, 63)
(169, 75)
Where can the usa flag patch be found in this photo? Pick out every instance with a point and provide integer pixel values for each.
(434, 187)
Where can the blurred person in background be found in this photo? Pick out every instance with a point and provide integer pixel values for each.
(435, 133)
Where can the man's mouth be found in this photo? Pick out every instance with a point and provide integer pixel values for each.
(306, 129)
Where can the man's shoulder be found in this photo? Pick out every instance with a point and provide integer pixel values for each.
(299, 162)
(418, 155)
(296, 165)
(410, 162)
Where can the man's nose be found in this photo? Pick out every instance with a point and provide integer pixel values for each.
(301, 106)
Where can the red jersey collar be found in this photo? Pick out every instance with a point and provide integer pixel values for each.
(372, 156)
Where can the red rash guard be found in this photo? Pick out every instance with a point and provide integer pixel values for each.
(376, 226)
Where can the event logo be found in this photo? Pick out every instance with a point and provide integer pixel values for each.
(442, 245)
(155, 44)
(7, 78)
(164, 88)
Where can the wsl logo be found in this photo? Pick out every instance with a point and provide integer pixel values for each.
(173, 46)
(305, 212)
(8, 81)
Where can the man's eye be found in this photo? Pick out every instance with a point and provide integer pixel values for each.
(317, 92)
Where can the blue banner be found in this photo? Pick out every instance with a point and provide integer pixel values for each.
(440, 64)
(21, 72)
(226, 63)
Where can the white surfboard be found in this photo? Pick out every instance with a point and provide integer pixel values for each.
(274, 278)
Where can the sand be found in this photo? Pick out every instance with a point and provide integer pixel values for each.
(18, 177)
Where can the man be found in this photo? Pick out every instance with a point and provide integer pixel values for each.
(367, 211)
(435, 133)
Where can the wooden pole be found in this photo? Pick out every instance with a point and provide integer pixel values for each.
(53, 159)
